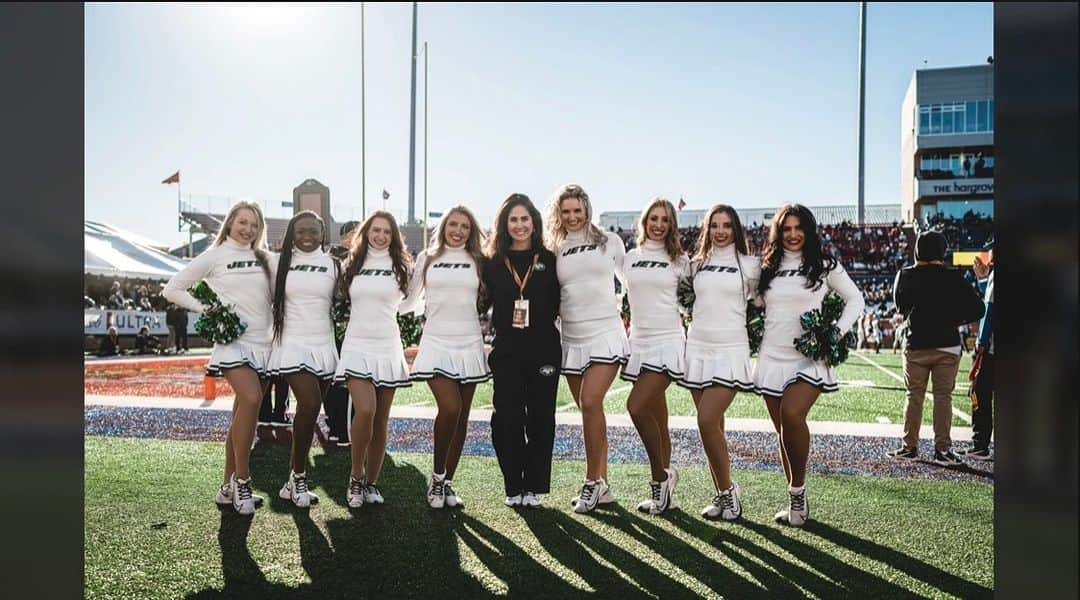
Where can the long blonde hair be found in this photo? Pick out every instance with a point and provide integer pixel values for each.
(258, 245)
(555, 231)
(671, 238)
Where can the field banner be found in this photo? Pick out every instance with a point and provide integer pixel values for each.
(128, 322)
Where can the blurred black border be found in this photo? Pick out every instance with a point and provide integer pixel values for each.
(1036, 206)
(41, 422)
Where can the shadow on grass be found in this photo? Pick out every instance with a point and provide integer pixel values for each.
(828, 576)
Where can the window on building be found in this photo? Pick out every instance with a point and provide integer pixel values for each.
(947, 119)
(990, 116)
(935, 119)
(924, 120)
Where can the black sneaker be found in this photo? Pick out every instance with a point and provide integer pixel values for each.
(903, 453)
(946, 458)
(976, 453)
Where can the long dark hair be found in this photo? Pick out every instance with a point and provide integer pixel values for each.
(401, 259)
(284, 263)
(815, 263)
(499, 241)
(704, 243)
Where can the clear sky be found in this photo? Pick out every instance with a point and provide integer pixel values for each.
(749, 104)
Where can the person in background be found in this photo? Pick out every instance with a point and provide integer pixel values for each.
(146, 343)
(275, 403)
(981, 376)
(110, 345)
(336, 405)
(935, 300)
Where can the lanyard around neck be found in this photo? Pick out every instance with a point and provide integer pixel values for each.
(521, 283)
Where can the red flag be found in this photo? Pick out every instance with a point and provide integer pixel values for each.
(174, 178)
(385, 195)
(682, 203)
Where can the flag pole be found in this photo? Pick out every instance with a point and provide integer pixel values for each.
(425, 236)
(363, 138)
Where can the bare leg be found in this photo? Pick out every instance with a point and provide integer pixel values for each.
(594, 386)
(448, 399)
(773, 404)
(714, 403)
(697, 395)
(360, 430)
(384, 398)
(249, 392)
(309, 394)
(647, 391)
(795, 405)
(453, 455)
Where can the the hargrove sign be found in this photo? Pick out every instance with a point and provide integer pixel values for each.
(956, 187)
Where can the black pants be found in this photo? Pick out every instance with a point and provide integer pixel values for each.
(281, 399)
(181, 337)
(982, 403)
(336, 406)
(523, 420)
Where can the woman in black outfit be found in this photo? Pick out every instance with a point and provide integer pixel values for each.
(524, 291)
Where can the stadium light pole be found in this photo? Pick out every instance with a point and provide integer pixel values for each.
(412, 127)
(424, 234)
(363, 133)
(862, 114)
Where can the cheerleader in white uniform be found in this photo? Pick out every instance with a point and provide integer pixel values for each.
(594, 340)
(451, 354)
(657, 341)
(795, 276)
(304, 352)
(717, 346)
(236, 267)
(376, 275)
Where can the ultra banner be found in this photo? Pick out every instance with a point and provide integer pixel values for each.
(129, 322)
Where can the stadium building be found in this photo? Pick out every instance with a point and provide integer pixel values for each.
(876, 214)
(947, 144)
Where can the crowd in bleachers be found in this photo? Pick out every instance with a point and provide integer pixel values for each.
(970, 231)
(126, 296)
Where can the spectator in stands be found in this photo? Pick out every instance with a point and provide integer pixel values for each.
(110, 345)
(935, 300)
(146, 343)
(88, 302)
(116, 296)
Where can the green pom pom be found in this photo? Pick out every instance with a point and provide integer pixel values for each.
(821, 340)
(218, 323)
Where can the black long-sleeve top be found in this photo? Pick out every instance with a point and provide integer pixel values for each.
(935, 300)
(542, 292)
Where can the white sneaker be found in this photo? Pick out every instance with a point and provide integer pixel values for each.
(798, 510)
(372, 494)
(591, 491)
(452, 499)
(727, 505)
(224, 496)
(296, 489)
(436, 495)
(242, 496)
(531, 500)
(661, 495)
(355, 496)
(513, 501)
(606, 497)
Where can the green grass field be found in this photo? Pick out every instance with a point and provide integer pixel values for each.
(868, 393)
(152, 531)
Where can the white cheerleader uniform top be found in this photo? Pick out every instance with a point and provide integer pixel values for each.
(309, 293)
(234, 273)
(722, 286)
(653, 278)
(587, 274)
(788, 298)
(376, 300)
(449, 291)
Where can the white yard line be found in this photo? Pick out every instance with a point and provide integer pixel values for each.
(956, 411)
(618, 390)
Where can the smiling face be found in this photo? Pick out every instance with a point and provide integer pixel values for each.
(307, 234)
(572, 215)
(379, 234)
(457, 229)
(791, 234)
(721, 230)
(657, 224)
(520, 225)
(245, 227)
